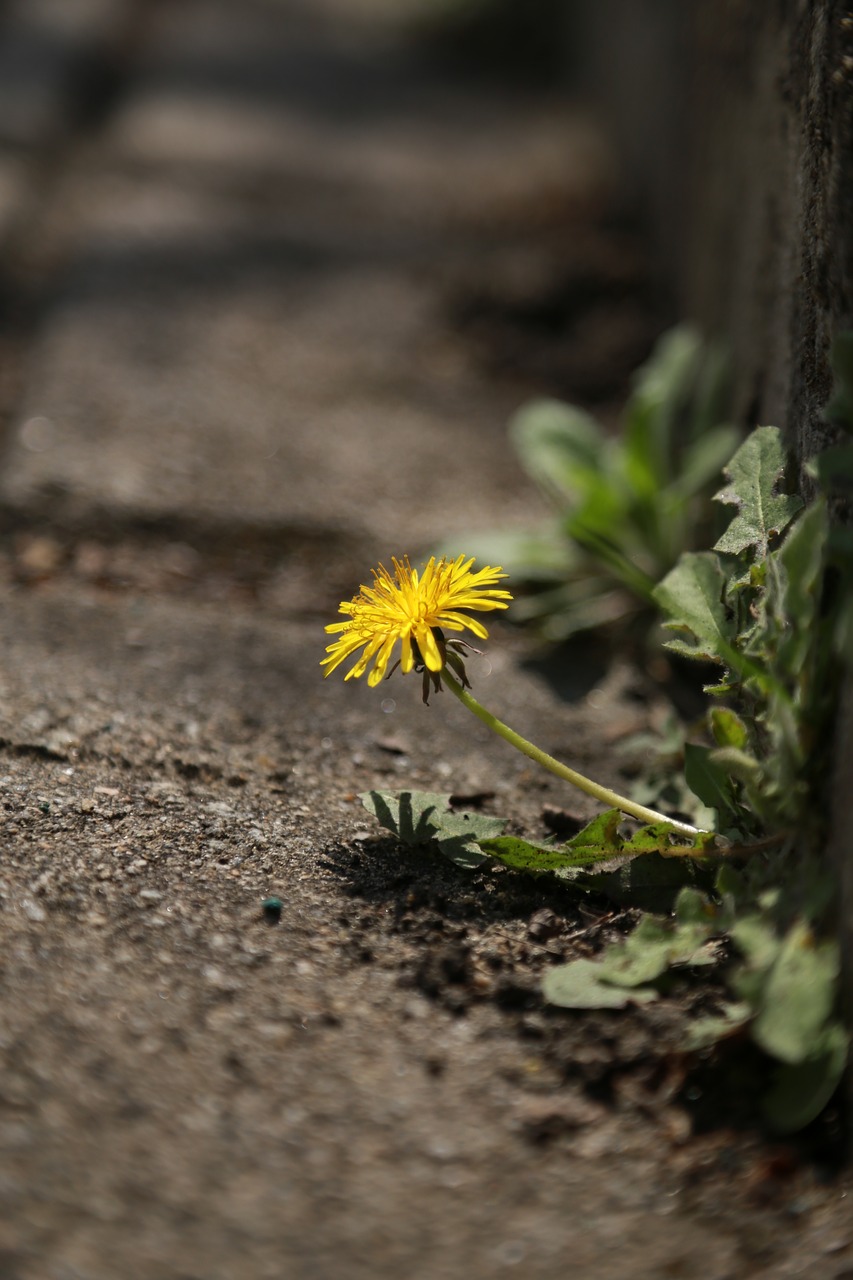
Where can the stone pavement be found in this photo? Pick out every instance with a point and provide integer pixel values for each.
(231, 381)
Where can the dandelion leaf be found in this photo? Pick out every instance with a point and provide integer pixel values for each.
(692, 595)
(420, 817)
(655, 946)
(798, 996)
(560, 446)
(460, 836)
(598, 842)
(579, 985)
(627, 968)
(754, 474)
(410, 815)
(523, 855)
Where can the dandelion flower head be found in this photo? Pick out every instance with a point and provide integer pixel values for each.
(414, 608)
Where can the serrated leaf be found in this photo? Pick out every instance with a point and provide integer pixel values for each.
(523, 855)
(419, 817)
(801, 1090)
(754, 474)
(410, 815)
(664, 838)
(599, 834)
(798, 996)
(692, 595)
(599, 841)
(578, 985)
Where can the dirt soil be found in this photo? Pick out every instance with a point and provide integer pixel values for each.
(274, 284)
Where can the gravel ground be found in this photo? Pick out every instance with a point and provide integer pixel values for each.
(271, 288)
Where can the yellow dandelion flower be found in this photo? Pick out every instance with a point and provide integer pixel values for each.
(415, 609)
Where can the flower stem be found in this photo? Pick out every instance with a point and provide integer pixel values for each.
(594, 789)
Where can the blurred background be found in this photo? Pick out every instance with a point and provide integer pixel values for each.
(281, 271)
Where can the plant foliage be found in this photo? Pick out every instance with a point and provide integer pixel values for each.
(625, 506)
(771, 606)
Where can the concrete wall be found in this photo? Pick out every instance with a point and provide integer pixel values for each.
(735, 119)
(769, 253)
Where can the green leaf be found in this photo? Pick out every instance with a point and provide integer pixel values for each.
(663, 838)
(524, 855)
(579, 985)
(410, 815)
(794, 589)
(798, 996)
(801, 1090)
(592, 528)
(643, 956)
(705, 1032)
(705, 459)
(708, 780)
(625, 968)
(728, 728)
(461, 835)
(692, 907)
(756, 938)
(754, 474)
(662, 390)
(738, 764)
(599, 841)
(692, 594)
(655, 946)
(649, 882)
(541, 555)
(601, 834)
(560, 447)
(419, 817)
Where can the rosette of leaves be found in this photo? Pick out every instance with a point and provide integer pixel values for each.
(626, 505)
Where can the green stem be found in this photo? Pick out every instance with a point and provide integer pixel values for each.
(611, 798)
